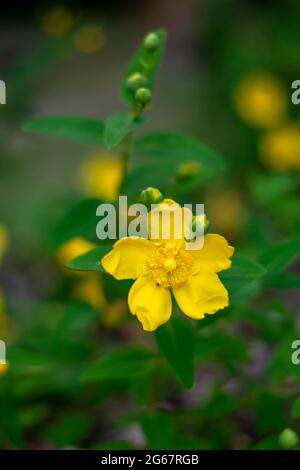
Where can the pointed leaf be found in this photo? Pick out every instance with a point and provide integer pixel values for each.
(76, 128)
(90, 261)
(176, 341)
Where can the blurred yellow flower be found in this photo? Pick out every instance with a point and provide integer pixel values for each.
(3, 368)
(90, 290)
(226, 211)
(101, 176)
(115, 313)
(280, 148)
(3, 240)
(57, 21)
(261, 100)
(71, 249)
(161, 266)
(89, 39)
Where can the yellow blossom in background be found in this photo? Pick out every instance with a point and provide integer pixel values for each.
(280, 148)
(115, 313)
(101, 176)
(3, 240)
(188, 169)
(161, 266)
(57, 21)
(89, 39)
(226, 211)
(90, 291)
(261, 100)
(3, 367)
(71, 249)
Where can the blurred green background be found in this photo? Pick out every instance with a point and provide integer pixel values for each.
(225, 79)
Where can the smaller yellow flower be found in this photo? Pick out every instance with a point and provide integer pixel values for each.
(90, 290)
(280, 148)
(3, 240)
(115, 313)
(261, 100)
(161, 266)
(89, 39)
(101, 176)
(57, 21)
(226, 211)
(3, 368)
(71, 249)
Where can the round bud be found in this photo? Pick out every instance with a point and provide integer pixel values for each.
(288, 439)
(151, 196)
(199, 224)
(143, 96)
(188, 169)
(151, 42)
(135, 80)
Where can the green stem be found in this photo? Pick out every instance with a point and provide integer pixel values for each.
(125, 155)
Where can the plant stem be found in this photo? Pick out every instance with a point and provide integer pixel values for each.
(125, 154)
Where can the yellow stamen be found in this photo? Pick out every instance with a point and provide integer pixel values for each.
(170, 264)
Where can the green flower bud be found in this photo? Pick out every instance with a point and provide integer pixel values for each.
(135, 80)
(143, 96)
(151, 42)
(188, 169)
(199, 224)
(151, 196)
(288, 439)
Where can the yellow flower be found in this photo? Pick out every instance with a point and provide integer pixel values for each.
(101, 176)
(162, 266)
(261, 100)
(226, 211)
(3, 368)
(89, 39)
(3, 240)
(57, 21)
(280, 148)
(71, 249)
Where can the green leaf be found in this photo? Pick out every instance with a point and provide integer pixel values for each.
(76, 128)
(68, 430)
(168, 151)
(79, 220)
(117, 126)
(243, 279)
(176, 341)
(267, 188)
(278, 258)
(121, 364)
(282, 281)
(296, 407)
(146, 63)
(158, 430)
(90, 261)
(243, 267)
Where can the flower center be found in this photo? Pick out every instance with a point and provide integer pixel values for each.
(169, 265)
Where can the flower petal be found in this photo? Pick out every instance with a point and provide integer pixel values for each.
(202, 293)
(128, 258)
(213, 256)
(168, 221)
(152, 304)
